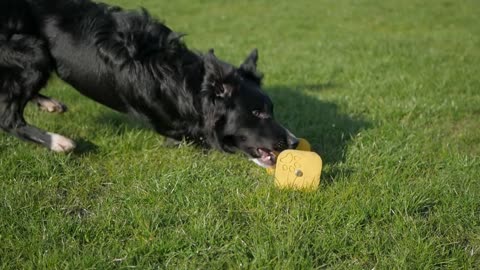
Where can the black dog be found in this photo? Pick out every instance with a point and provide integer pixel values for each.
(136, 65)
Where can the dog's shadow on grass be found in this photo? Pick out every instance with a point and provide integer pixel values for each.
(121, 123)
(117, 123)
(320, 122)
(84, 147)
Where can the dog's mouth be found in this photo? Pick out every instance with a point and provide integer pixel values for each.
(264, 157)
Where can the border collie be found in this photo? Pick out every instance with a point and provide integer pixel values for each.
(130, 62)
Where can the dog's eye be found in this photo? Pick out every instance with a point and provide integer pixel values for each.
(261, 114)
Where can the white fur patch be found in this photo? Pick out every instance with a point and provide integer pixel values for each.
(260, 163)
(58, 143)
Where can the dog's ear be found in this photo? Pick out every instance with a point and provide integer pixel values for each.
(249, 67)
(250, 63)
(219, 77)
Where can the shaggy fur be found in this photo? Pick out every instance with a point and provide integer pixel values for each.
(133, 64)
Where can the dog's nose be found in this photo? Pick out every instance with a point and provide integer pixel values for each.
(293, 142)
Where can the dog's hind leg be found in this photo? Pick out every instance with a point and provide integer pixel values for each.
(21, 78)
(25, 67)
(49, 104)
(54, 142)
(12, 121)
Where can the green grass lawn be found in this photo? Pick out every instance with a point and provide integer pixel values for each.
(387, 91)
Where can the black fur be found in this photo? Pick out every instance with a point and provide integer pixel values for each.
(131, 63)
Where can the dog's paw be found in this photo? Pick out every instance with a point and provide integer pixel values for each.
(61, 144)
(51, 105)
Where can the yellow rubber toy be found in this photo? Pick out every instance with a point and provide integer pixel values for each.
(303, 145)
(298, 169)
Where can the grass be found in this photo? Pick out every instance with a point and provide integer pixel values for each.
(387, 91)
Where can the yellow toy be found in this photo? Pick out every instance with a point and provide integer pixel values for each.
(303, 145)
(298, 169)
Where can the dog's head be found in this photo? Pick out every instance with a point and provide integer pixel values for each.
(239, 114)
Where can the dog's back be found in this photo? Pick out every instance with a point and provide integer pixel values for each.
(105, 52)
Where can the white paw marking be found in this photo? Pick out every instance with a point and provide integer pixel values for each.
(51, 105)
(58, 143)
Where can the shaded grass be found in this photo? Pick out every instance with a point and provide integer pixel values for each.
(387, 92)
